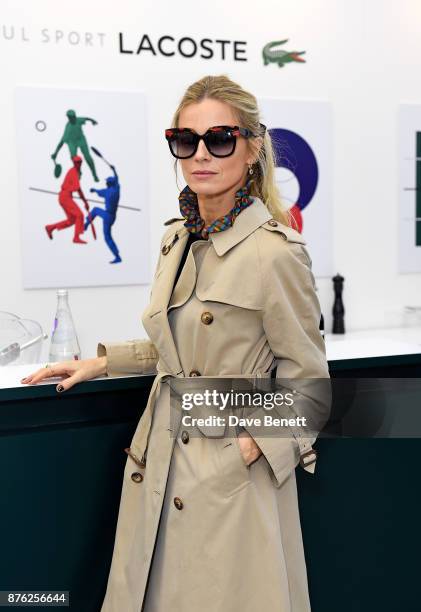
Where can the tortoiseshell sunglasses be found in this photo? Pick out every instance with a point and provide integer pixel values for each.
(220, 140)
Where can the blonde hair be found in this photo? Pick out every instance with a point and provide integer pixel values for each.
(245, 106)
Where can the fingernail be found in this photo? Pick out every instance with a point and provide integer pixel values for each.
(23, 379)
(60, 388)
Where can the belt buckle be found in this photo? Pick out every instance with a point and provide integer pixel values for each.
(304, 462)
(140, 462)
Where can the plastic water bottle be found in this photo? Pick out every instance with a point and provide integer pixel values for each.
(64, 342)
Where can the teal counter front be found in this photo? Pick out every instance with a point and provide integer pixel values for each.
(61, 465)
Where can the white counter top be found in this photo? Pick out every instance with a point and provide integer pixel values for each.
(374, 343)
(361, 344)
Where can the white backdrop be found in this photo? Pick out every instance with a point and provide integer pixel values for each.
(361, 57)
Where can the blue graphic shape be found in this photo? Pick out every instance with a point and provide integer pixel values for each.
(111, 195)
(295, 154)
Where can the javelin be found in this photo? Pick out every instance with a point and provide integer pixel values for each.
(79, 198)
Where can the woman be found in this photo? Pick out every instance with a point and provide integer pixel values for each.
(209, 521)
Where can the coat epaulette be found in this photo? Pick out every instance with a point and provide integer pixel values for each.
(287, 233)
(173, 219)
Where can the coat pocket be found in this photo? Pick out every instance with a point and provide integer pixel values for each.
(234, 473)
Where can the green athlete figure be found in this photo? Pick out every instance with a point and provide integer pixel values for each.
(75, 139)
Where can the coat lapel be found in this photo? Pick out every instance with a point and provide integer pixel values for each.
(155, 316)
(186, 282)
(245, 223)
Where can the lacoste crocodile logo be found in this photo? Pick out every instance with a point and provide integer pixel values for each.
(279, 56)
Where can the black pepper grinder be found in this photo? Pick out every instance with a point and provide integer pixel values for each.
(322, 325)
(338, 310)
(322, 320)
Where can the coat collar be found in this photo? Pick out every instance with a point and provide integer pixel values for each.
(245, 224)
(249, 220)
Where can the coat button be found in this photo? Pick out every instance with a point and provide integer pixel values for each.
(137, 477)
(185, 436)
(195, 373)
(207, 318)
(273, 222)
(178, 503)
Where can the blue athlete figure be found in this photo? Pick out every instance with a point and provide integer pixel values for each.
(111, 194)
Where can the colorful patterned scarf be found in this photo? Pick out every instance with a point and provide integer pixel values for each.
(189, 208)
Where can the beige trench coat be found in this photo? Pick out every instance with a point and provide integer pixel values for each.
(197, 526)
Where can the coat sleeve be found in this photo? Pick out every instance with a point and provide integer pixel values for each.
(130, 357)
(291, 318)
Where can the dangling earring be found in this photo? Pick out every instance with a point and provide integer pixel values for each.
(251, 169)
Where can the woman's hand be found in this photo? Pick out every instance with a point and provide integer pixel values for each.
(248, 447)
(74, 371)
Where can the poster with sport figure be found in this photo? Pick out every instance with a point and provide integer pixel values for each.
(83, 187)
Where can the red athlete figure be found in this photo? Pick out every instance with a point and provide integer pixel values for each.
(74, 214)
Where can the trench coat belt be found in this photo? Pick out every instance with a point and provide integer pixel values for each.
(308, 454)
(142, 436)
